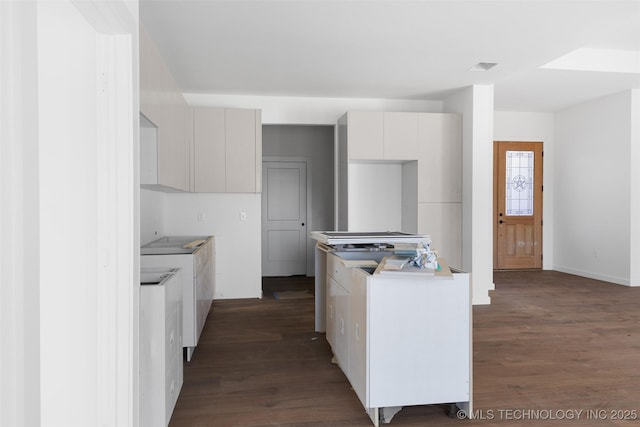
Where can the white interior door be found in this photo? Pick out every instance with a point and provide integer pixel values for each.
(284, 218)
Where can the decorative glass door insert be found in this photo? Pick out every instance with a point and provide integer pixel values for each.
(519, 183)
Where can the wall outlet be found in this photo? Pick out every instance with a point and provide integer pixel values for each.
(200, 216)
(243, 216)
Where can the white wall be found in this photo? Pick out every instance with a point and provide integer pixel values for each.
(375, 196)
(634, 159)
(19, 216)
(592, 178)
(152, 215)
(311, 110)
(237, 243)
(476, 106)
(69, 223)
(526, 126)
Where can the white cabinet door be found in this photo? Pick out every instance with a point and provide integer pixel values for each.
(400, 136)
(258, 160)
(382, 136)
(151, 78)
(332, 325)
(173, 337)
(440, 158)
(161, 368)
(338, 310)
(209, 150)
(443, 222)
(419, 341)
(365, 135)
(440, 183)
(240, 150)
(227, 147)
(342, 316)
(358, 334)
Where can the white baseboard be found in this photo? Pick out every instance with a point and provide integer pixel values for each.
(596, 276)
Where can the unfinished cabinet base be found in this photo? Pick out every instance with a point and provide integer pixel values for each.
(402, 339)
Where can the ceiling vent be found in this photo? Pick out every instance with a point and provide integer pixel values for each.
(483, 66)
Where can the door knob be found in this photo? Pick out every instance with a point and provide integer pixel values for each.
(302, 224)
(500, 222)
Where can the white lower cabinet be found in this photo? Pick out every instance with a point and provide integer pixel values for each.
(161, 362)
(198, 287)
(407, 339)
(339, 300)
(358, 328)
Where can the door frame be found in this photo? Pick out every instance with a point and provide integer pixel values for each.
(538, 206)
(309, 222)
(23, 379)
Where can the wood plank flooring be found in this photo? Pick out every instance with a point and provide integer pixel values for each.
(549, 346)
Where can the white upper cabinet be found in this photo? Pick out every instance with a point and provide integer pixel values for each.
(400, 136)
(365, 135)
(241, 150)
(162, 103)
(440, 158)
(382, 136)
(209, 150)
(227, 150)
(412, 161)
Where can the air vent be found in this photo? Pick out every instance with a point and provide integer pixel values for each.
(483, 66)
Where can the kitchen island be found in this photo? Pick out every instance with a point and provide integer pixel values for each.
(402, 337)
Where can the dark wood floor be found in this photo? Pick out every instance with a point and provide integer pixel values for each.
(549, 346)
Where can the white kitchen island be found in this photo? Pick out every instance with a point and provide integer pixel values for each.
(400, 338)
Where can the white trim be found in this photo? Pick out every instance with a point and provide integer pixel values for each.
(117, 297)
(118, 198)
(602, 277)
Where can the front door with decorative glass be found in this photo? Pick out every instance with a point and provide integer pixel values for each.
(517, 205)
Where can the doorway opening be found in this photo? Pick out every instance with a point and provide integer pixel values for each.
(297, 197)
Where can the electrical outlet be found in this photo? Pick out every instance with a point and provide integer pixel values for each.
(243, 216)
(200, 216)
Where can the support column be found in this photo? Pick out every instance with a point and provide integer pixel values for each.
(475, 103)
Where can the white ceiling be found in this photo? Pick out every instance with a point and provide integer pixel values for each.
(421, 50)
